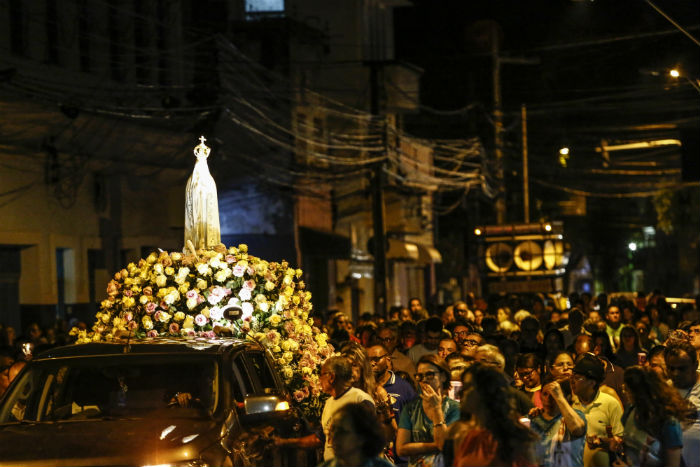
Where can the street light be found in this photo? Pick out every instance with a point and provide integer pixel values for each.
(676, 73)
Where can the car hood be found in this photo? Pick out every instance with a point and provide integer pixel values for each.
(105, 442)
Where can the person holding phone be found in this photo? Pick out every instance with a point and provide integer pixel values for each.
(424, 421)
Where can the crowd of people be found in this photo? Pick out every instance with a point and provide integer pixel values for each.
(513, 381)
(516, 380)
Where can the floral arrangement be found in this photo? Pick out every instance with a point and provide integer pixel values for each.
(188, 295)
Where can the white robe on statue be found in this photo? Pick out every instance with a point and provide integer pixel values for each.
(201, 204)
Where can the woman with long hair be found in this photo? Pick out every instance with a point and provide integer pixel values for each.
(653, 435)
(628, 353)
(363, 378)
(490, 433)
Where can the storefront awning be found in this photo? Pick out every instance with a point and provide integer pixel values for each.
(428, 254)
(400, 250)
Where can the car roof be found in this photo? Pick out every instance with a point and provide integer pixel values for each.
(153, 345)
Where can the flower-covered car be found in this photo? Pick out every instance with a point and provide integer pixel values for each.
(222, 291)
(152, 401)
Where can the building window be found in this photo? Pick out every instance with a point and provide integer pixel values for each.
(255, 9)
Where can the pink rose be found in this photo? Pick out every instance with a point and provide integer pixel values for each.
(152, 333)
(191, 293)
(163, 304)
(238, 270)
(157, 315)
(128, 293)
(132, 325)
(200, 320)
(230, 259)
(251, 271)
(249, 284)
(174, 328)
(299, 396)
(150, 307)
(128, 316)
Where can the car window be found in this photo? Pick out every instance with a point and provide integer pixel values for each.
(86, 388)
(263, 375)
(241, 385)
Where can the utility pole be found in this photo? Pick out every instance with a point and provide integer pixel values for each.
(498, 128)
(377, 189)
(526, 176)
(496, 63)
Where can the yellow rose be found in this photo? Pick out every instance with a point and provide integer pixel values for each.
(143, 299)
(183, 288)
(275, 319)
(264, 307)
(170, 270)
(287, 280)
(269, 286)
(201, 284)
(296, 300)
(152, 258)
(147, 323)
(288, 357)
(105, 318)
(128, 302)
(306, 370)
(243, 248)
(287, 372)
(179, 316)
(276, 349)
(221, 275)
(162, 293)
(191, 303)
(298, 273)
(116, 321)
(189, 322)
(172, 297)
(158, 268)
(205, 312)
(176, 256)
(161, 281)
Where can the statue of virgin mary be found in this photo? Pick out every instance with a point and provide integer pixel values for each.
(202, 227)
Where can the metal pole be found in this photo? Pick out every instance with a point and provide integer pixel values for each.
(498, 130)
(526, 180)
(377, 189)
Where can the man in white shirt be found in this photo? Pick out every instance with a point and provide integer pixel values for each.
(335, 378)
(603, 412)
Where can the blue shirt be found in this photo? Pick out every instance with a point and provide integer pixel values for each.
(400, 392)
(414, 419)
(556, 446)
(642, 448)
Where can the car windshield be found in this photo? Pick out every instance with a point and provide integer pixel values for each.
(129, 386)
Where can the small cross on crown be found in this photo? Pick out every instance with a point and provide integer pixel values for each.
(202, 150)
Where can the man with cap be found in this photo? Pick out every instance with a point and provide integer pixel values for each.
(603, 412)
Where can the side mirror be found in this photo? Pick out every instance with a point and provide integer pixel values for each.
(264, 405)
